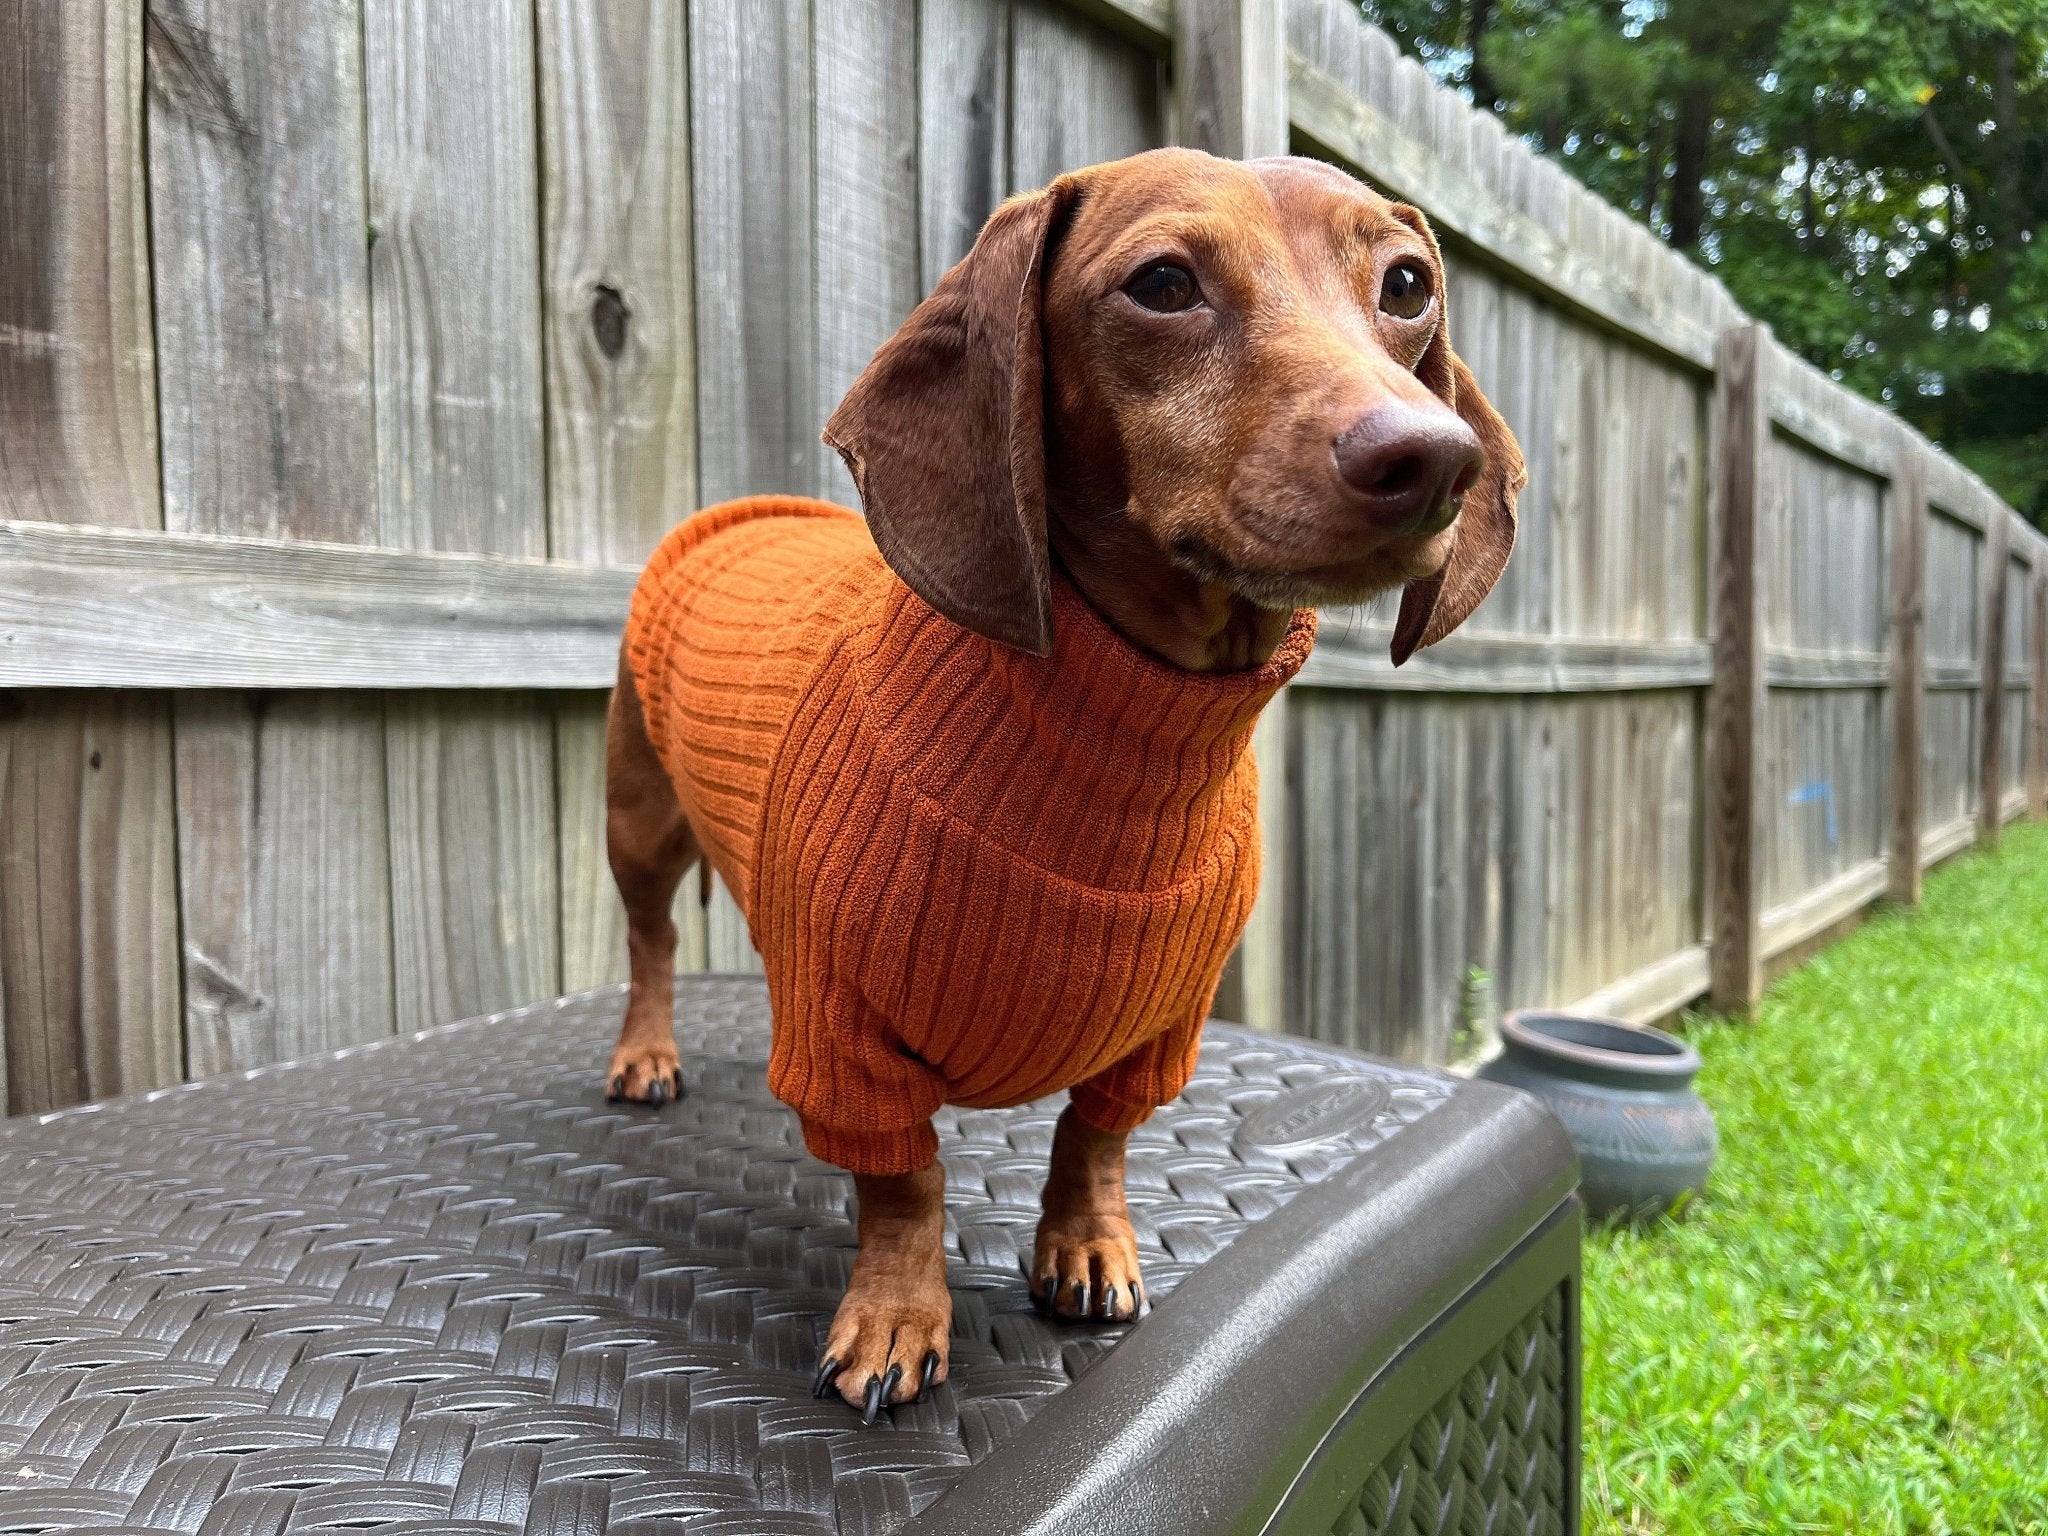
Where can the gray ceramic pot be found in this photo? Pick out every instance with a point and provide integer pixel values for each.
(1625, 1095)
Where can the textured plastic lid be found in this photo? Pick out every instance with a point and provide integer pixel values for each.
(439, 1282)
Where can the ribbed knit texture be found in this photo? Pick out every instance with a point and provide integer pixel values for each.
(975, 876)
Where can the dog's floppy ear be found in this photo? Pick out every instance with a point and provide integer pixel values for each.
(1484, 534)
(944, 434)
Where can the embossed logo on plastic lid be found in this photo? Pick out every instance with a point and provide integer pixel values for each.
(1308, 1116)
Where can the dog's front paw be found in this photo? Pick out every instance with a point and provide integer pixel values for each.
(888, 1342)
(1086, 1266)
(645, 1074)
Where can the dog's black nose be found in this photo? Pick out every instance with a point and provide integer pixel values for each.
(1408, 465)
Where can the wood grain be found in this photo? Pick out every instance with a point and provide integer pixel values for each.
(751, 180)
(1909, 670)
(1821, 906)
(88, 899)
(88, 912)
(98, 608)
(469, 780)
(1078, 96)
(617, 288)
(259, 212)
(77, 359)
(1548, 843)
(454, 275)
(1356, 656)
(2037, 696)
(618, 251)
(1658, 990)
(865, 144)
(1735, 703)
(284, 876)
(475, 908)
(1991, 690)
(1148, 24)
(1230, 77)
(963, 126)
(1261, 960)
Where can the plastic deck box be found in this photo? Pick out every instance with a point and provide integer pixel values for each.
(439, 1285)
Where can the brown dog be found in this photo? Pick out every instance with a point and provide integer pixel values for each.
(1202, 395)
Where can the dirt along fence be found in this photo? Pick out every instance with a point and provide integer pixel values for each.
(348, 368)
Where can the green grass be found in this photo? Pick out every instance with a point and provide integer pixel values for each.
(1850, 1331)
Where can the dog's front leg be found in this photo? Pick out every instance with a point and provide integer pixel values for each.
(1086, 1260)
(888, 1341)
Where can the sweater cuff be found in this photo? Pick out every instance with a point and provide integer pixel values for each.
(872, 1151)
(1105, 1113)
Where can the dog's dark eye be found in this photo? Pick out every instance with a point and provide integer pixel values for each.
(1404, 291)
(1164, 287)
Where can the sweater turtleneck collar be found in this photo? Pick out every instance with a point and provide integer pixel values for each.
(1099, 763)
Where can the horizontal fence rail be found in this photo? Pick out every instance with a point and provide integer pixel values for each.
(341, 395)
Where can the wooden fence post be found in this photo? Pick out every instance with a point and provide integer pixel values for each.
(2037, 696)
(1991, 695)
(1735, 704)
(1230, 76)
(1909, 665)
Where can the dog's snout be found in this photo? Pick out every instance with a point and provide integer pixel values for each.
(1408, 466)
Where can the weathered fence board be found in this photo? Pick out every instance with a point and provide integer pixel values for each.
(284, 876)
(475, 913)
(620, 395)
(963, 125)
(88, 906)
(1735, 704)
(457, 385)
(620, 388)
(868, 272)
(1075, 98)
(751, 185)
(88, 898)
(443, 314)
(1908, 640)
(453, 189)
(259, 210)
(120, 608)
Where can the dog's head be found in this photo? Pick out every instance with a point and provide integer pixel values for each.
(1250, 362)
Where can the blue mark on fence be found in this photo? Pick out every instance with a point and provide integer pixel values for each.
(1822, 790)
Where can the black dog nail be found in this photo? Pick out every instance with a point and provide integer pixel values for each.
(657, 1093)
(828, 1368)
(1048, 1294)
(1109, 1302)
(874, 1400)
(1081, 1297)
(618, 1090)
(931, 1369)
(890, 1383)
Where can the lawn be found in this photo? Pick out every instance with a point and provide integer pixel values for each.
(1850, 1332)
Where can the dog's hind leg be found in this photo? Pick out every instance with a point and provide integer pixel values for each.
(651, 848)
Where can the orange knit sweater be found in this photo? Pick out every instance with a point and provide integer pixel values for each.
(974, 875)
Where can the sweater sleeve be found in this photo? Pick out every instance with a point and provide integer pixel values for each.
(1123, 1095)
(865, 1102)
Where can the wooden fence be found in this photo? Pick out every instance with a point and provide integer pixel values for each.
(353, 353)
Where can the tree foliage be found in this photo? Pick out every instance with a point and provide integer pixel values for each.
(1869, 179)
